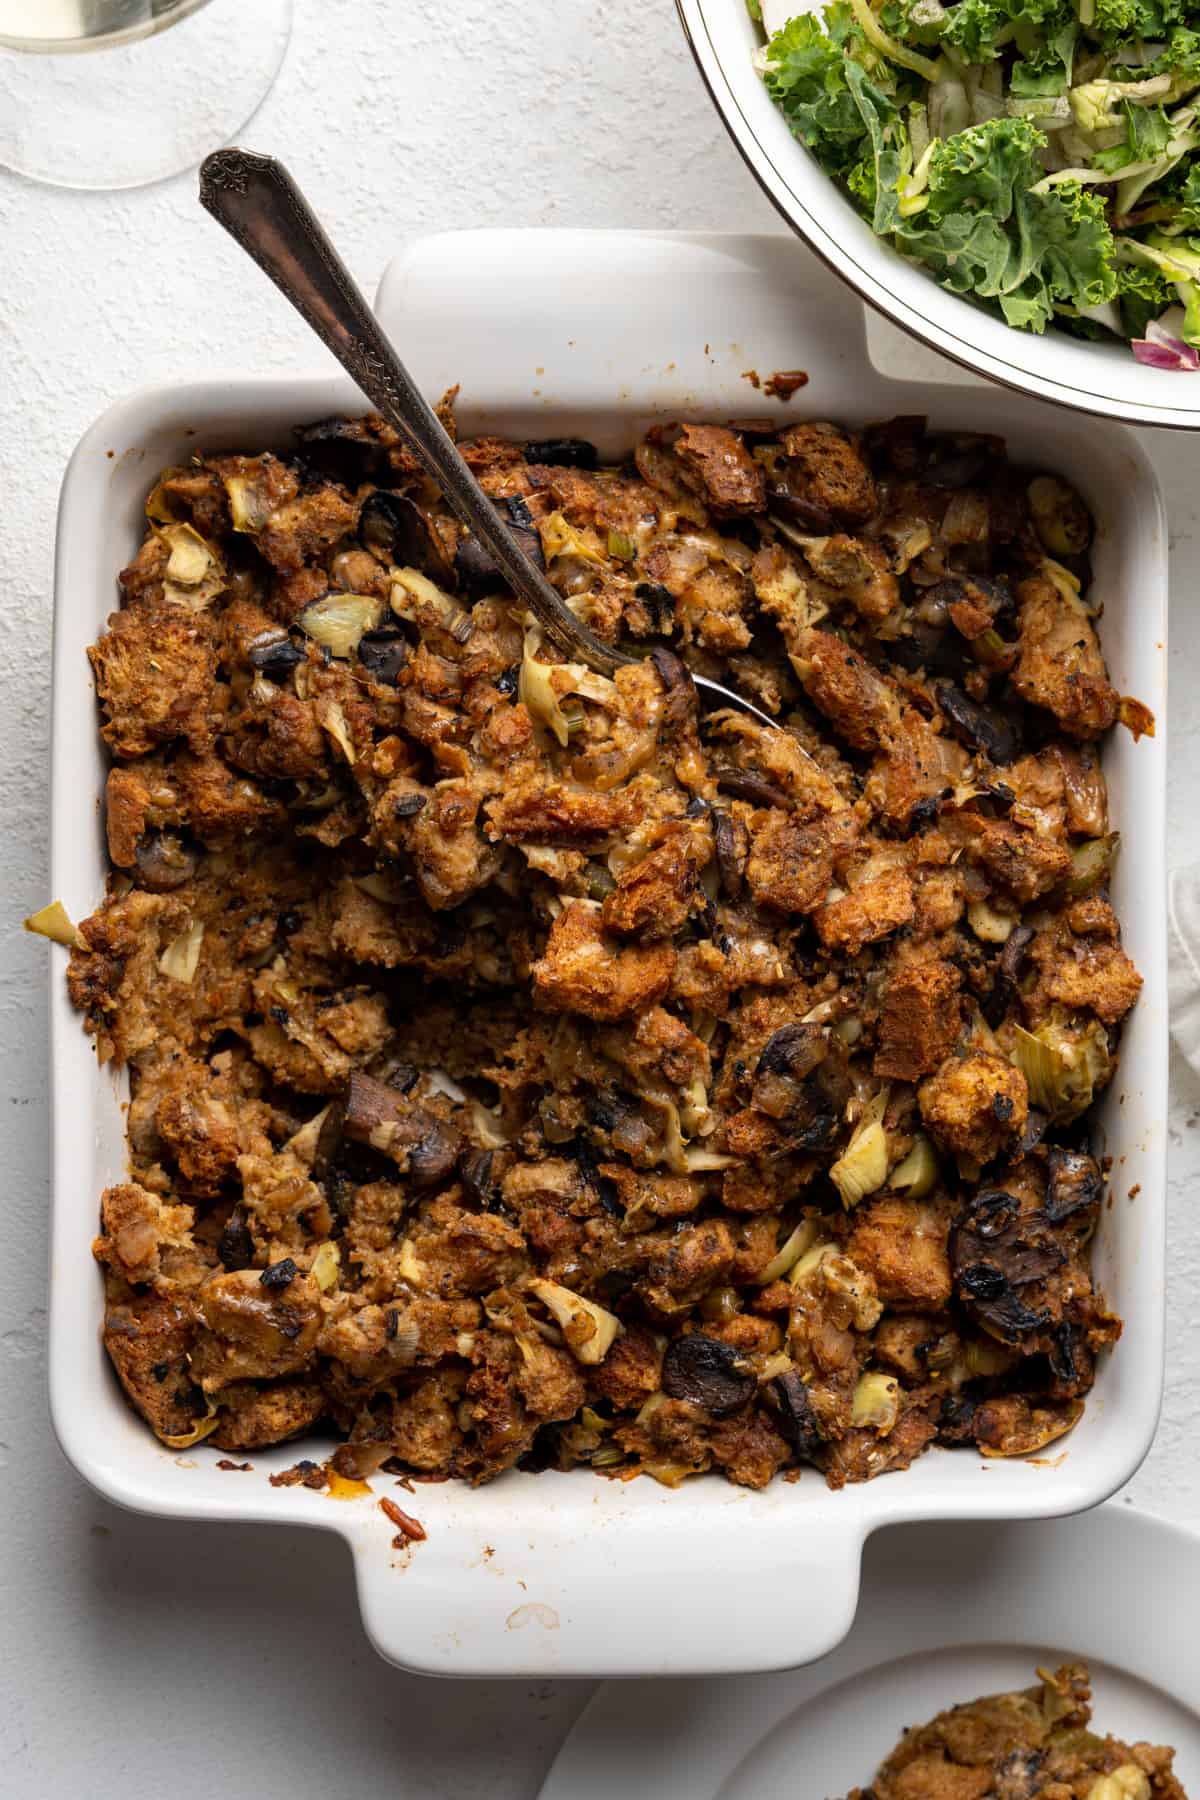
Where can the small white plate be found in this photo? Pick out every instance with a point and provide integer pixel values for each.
(947, 1613)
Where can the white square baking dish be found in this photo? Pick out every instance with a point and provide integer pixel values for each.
(599, 333)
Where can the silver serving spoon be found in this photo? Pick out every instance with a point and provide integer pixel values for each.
(259, 204)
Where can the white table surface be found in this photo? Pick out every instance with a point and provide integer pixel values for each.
(144, 1658)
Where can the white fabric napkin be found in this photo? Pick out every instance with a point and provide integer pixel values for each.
(1183, 949)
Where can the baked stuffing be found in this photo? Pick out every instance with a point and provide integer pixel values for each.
(1034, 1745)
(529, 1070)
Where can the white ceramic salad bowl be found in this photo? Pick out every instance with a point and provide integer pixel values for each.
(600, 333)
(1093, 377)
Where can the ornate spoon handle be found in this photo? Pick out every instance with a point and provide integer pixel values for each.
(259, 204)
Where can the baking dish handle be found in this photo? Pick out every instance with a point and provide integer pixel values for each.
(636, 1595)
(757, 306)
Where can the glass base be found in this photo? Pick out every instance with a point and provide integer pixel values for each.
(124, 116)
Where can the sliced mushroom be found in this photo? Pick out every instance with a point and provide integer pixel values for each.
(706, 1373)
(276, 657)
(164, 862)
(570, 453)
(476, 1171)
(383, 653)
(681, 697)
(401, 533)
(741, 784)
(996, 1253)
(659, 602)
(958, 459)
(345, 449)
(673, 673)
(1008, 970)
(475, 569)
(976, 727)
(418, 1142)
(1067, 1352)
(1075, 1183)
(235, 1246)
(796, 1419)
(732, 846)
(794, 1050)
(789, 509)
(898, 441)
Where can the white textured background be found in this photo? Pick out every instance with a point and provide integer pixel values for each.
(139, 1657)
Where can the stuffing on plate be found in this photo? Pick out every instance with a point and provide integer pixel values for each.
(527, 1069)
(1034, 1745)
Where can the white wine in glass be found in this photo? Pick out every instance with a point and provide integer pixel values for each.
(157, 100)
(57, 25)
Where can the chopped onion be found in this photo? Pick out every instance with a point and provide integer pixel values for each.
(303, 1143)
(699, 1161)
(326, 1265)
(1160, 350)
(486, 1127)
(409, 1266)
(182, 954)
(989, 923)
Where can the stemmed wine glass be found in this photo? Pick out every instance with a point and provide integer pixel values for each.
(176, 79)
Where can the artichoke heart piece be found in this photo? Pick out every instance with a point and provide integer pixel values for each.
(876, 1402)
(917, 1173)
(413, 594)
(543, 688)
(560, 538)
(250, 505)
(589, 1329)
(183, 1440)
(863, 1165)
(1092, 863)
(1063, 1065)
(54, 923)
(338, 621)
(789, 1252)
(194, 574)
